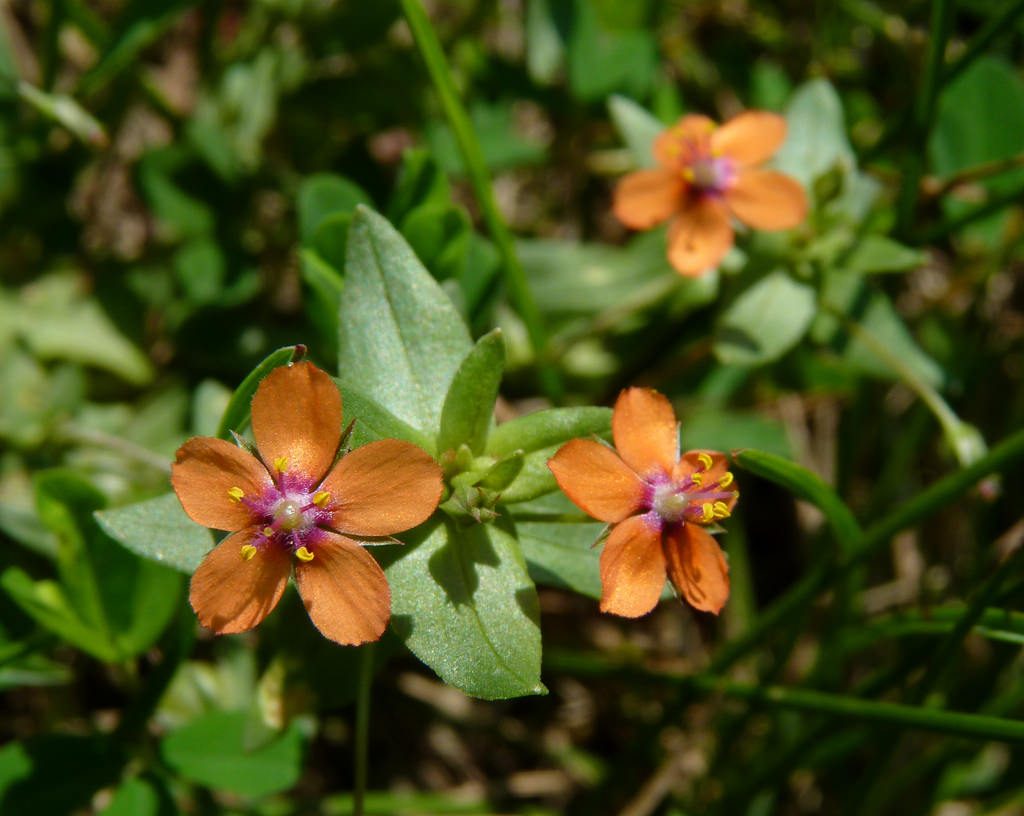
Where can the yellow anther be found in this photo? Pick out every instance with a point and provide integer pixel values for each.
(688, 173)
(705, 460)
(721, 510)
(708, 512)
(726, 480)
(248, 551)
(321, 498)
(236, 494)
(697, 479)
(281, 464)
(303, 554)
(268, 531)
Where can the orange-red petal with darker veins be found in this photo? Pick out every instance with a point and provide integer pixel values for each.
(596, 480)
(645, 431)
(345, 591)
(296, 416)
(383, 488)
(699, 236)
(767, 200)
(205, 469)
(697, 567)
(691, 132)
(632, 568)
(647, 197)
(750, 138)
(231, 594)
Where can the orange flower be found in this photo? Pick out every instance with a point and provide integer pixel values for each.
(707, 173)
(291, 502)
(658, 504)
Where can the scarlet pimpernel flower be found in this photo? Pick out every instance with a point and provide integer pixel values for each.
(293, 505)
(706, 174)
(659, 503)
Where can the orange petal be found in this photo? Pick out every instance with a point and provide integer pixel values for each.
(632, 568)
(697, 567)
(296, 417)
(596, 480)
(767, 200)
(689, 134)
(205, 469)
(699, 237)
(647, 197)
(383, 488)
(750, 138)
(645, 431)
(345, 591)
(231, 594)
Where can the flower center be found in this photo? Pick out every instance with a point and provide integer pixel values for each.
(668, 502)
(710, 174)
(288, 517)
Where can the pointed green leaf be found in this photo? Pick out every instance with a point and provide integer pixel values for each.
(468, 411)
(159, 530)
(877, 253)
(816, 136)
(539, 435)
(374, 422)
(236, 415)
(322, 196)
(463, 602)
(212, 751)
(765, 322)
(401, 338)
(637, 127)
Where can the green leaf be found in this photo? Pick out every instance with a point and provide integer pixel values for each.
(539, 435)
(463, 602)
(876, 253)
(211, 750)
(764, 322)
(138, 797)
(637, 127)
(559, 552)
(236, 415)
(374, 422)
(420, 182)
(725, 430)
(200, 267)
(468, 411)
(816, 139)
(545, 52)
(159, 530)
(53, 314)
(324, 195)
(400, 337)
(605, 58)
(870, 308)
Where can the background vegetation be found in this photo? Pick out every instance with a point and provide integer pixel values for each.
(176, 183)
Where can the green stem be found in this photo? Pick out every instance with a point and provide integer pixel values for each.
(995, 203)
(838, 705)
(476, 167)
(362, 734)
(924, 110)
(999, 24)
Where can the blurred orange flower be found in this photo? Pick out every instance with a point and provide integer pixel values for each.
(293, 504)
(658, 504)
(707, 173)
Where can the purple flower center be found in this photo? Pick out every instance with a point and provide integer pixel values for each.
(695, 498)
(711, 174)
(293, 514)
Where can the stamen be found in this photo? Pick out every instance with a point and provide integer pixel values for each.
(726, 480)
(236, 494)
(705, 460)
(268, 531)
(707, 512)
(248, 551)
(303, 554)
(697, 479)
(721, 509)
(321, 498)
(281, 464)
